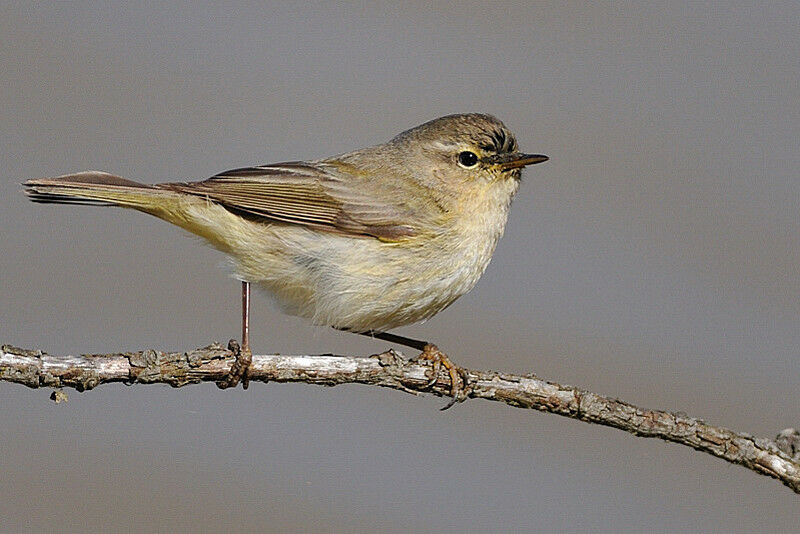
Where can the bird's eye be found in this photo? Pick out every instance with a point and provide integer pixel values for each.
(468, 159)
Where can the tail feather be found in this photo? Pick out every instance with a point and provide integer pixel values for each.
(50, 198)
(92, 188)
(193, 213)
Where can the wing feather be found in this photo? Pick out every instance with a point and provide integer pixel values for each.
(312, 194)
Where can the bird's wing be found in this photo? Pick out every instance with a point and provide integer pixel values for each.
(311, 194)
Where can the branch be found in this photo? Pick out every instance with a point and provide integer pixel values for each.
(779, 459)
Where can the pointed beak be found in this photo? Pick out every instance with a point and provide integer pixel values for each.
(516, 160)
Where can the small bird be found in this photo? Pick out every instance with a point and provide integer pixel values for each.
(364, 241)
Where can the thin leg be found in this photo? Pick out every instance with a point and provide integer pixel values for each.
(394, 338)
(246, 316)
(431, 353)
(242, 354)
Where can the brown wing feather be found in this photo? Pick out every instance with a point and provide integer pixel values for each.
(305, 193)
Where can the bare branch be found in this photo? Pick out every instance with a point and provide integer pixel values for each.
(35, 369)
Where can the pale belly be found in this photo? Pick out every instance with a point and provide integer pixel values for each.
(363, 284)
(353, 283)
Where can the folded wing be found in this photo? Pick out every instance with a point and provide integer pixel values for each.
(317, 195)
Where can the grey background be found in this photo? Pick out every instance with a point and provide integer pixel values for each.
(656, 258)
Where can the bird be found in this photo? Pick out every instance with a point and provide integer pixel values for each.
(365, 241)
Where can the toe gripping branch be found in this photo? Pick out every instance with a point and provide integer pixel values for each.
(458, 376)
(243, 357)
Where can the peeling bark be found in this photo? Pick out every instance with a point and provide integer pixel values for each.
(778, 459)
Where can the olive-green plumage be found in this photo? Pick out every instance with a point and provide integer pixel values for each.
(369, 240)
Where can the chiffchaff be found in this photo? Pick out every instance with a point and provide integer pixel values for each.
(364, 241)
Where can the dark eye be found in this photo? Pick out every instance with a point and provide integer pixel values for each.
(468, 159)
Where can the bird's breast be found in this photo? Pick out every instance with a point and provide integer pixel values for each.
(367, 284)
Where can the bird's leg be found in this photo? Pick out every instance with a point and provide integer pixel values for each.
(246, 317)
(438, 359)
(242, 354)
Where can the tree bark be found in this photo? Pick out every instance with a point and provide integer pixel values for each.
(778, 458)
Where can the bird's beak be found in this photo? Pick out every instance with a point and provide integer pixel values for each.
(516, 160)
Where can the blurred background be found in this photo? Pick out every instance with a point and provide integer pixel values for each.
(655, 258)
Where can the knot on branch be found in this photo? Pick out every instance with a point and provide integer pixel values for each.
(788, 441)
(391, 362)
(174, 368)
(395, 370)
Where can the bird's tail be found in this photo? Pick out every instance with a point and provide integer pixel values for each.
(97, 188)
(193, 213)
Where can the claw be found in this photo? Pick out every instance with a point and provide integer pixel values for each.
(243, 357)
(438, 359)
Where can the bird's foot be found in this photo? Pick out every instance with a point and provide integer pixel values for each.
(458, 376)
(243, 357)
